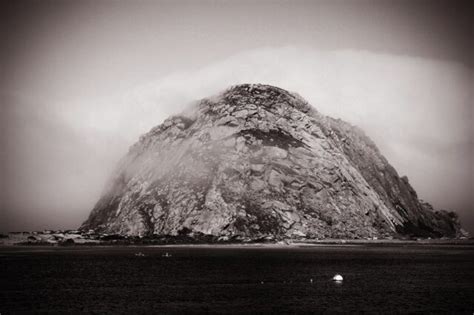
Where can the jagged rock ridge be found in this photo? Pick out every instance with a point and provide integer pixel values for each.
(259, 161)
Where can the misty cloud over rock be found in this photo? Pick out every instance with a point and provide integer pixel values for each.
(257, 161)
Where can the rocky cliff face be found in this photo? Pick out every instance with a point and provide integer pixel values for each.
(259, 161)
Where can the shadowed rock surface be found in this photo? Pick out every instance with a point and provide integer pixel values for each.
(258, 161)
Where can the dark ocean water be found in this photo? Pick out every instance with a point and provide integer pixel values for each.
(394, 279)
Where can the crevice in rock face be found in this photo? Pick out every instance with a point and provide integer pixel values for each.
(186, 121)
(273, 137)
(259, 221)
(146, 212)
(165, 209)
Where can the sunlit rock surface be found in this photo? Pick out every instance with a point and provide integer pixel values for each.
(259, 161)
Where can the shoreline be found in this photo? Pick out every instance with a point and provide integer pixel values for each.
(269, 245)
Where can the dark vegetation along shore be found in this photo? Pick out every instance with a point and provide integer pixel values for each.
(185, 237)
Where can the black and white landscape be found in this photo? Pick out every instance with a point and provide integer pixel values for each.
(237, 157)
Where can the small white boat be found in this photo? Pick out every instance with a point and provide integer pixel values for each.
(167, 255)
(139, 254)
(337, 278)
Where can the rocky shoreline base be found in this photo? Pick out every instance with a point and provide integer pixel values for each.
(90, 238)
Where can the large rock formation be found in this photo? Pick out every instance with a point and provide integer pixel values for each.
(259, 161)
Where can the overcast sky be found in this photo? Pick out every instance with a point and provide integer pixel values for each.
(80, 81)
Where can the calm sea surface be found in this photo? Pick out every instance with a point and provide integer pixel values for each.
(394, 279)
